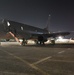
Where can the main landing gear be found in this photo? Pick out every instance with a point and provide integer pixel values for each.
(53, 42)
(39, 42)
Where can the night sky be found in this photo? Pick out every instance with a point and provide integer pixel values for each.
(36, 12)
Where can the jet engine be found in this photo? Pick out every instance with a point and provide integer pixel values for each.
(42, 39)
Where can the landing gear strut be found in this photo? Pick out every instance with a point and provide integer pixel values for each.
(41, 42)
(24, 42)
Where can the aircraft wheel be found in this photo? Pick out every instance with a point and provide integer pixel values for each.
(41, 43)
(52, 41)
(23, 43)
(7, 39)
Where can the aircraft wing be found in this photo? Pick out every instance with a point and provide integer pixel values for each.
(53, 34)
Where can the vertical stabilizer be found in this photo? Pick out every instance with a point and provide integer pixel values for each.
(48, 23)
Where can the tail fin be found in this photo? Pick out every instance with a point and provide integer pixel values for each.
(48, 23)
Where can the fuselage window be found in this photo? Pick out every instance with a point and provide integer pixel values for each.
(22, 28)
(8, 23)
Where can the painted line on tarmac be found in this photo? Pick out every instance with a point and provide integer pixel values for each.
(69, 49)
(61, 52)
(66, 61)
(10, 73)
(25, 62)
(44, 59)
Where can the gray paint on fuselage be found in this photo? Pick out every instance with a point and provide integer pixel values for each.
(25, 27)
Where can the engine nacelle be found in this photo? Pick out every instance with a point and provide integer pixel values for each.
(42, 39)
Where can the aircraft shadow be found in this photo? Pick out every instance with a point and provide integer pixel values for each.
(53, 45)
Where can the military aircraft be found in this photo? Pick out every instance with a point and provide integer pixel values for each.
(11, 29)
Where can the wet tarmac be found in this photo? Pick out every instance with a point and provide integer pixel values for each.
(37, 60)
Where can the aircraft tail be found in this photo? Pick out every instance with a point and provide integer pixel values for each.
(48, 23)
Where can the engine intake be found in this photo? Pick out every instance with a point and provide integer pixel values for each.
(42, 38)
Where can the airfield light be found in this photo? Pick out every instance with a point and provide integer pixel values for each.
(60, 37)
